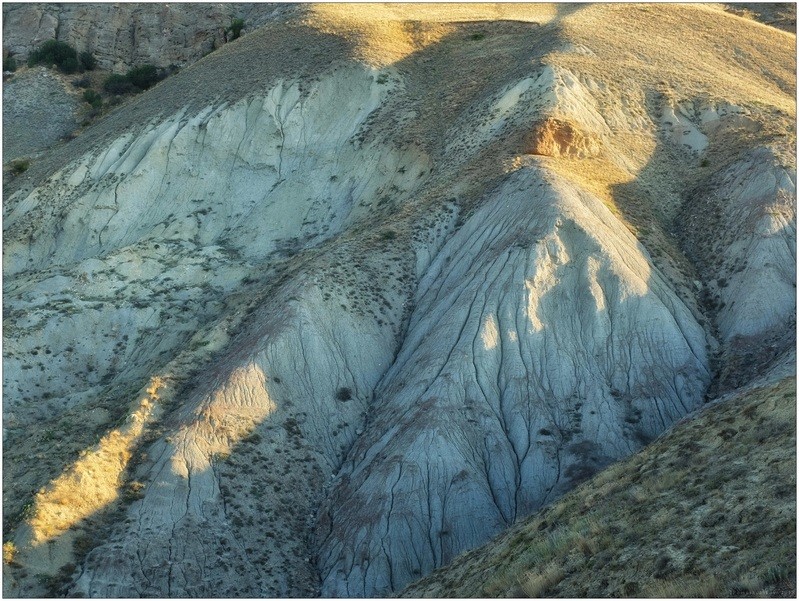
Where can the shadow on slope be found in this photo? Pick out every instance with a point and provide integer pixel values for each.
(708, 510)
(693, 223)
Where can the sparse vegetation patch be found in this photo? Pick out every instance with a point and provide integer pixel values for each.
(63, 56)
(690, 516)
(20, 166)
(93, 98)
(135, 80)
(236, 25)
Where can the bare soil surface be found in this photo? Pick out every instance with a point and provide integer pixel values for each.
(38, 111)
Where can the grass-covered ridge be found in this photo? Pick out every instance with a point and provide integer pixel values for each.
(707, 510)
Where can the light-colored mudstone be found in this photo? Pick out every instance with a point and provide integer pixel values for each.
(543, 346)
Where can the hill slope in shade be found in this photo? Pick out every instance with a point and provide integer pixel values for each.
(360, 290)
(708, 510)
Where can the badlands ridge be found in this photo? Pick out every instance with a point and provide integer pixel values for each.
(357, 292)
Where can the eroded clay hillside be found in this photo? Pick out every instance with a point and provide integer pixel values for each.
(360, 290)
(676, 520)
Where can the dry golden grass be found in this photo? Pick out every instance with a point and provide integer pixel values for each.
(695, 49)
(65, 502)
(708, 586)
(537, 583)
(700, 51)
(438, 12)
(43, 545)
(384, 34)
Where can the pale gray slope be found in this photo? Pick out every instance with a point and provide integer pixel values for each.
(749, 261)
(148, 238)
(223, 170)
(759, 250)
(147, 220)
(198, 521)
(144, 249)
(305, 381)
(543, 346)
(234, 484)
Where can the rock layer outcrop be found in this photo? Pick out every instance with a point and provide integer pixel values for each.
(556, 138)
(124, 35)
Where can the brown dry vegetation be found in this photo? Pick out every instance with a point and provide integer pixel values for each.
(777, 14)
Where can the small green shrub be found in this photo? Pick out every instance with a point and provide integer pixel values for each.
(134, 491)
(144, 77)
(9, 63)
(292, 427)
(69, 65)
(253, 438)
(93, 98)
(118, 84)
(82, 82)
(19, 166)
(135, 80)
(87, 61)
(54, 52)
(236, 25)
(343, 394)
